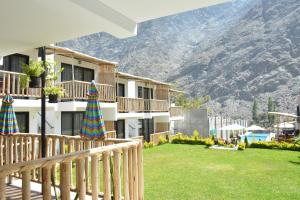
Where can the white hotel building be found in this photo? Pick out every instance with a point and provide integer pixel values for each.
(132, 105)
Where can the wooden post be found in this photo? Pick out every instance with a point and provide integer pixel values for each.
(2, 188)
(1, 150)
(117, 175)
(81, 181)
(106, 174)
(65, 186)
(125, 174)
(46, 183)
(26, 149)
(141, 170)
(87, 146)
(130, 175)
(95, 177)
(26, 193)
(135, 173)
(33, 155)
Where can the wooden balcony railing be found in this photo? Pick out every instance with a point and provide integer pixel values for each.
(21, 157)
(126, 104)
(176, 111)
(11, 82)
(78, 90)
(157, 105)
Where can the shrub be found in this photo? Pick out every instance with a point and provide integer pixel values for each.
(275, 145)
(196, 135)
(209, 142)
(146, 145)
(241, 146)
(151, 144)
(231, 146)
(246, 141)
(221, 143)
(162, 140)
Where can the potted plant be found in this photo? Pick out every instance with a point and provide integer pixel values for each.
(52, 90)
(32, 75)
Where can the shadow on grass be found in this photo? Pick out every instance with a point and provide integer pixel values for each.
(295, 162)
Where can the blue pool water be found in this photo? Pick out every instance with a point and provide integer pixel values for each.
(255, 137)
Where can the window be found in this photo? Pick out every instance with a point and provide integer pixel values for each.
(146, 127)
(71, 123)
(80, 73)
(140, 92)
(14, 62)
(120, 128)
(121, 90)
(146, 93)
(66, 75)
(23, 121)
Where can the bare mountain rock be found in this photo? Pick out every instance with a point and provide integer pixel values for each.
(234, 52)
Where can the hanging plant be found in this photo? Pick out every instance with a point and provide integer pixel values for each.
(52, 90)
(32, 72)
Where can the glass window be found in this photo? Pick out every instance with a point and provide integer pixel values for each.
(140, 127)
(121, 90)
(120, 128)
(140, 92)
(66, 124)
(14, 62)
(23, 121)
(66, 75)
(80, 73)
(71, 123)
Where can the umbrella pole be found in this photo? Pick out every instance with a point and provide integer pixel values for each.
(42, 52)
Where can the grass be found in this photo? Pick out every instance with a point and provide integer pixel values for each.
(194, 172)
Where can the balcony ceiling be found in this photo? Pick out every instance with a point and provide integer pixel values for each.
(32, 23)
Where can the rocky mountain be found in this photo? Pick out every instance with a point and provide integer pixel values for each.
(234, 52)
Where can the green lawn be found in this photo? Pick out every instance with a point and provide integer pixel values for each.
(186, 172)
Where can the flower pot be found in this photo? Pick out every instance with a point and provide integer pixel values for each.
(53, 98)
(34, 82)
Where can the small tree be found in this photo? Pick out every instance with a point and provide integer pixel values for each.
(255, 111)
(271, 108)
(246, 141)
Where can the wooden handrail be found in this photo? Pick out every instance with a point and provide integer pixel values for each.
(11, 82)
(85, 155)
(79, 90)
(126, 104)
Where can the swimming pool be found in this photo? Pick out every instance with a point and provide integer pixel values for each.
(255, 137)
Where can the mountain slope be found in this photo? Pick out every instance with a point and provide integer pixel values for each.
(234, 52)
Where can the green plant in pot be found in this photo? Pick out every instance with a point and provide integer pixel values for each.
(32, 73)
(52, 90)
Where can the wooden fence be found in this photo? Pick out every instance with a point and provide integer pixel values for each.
(78, 90)
(20, 156)
(11, 82)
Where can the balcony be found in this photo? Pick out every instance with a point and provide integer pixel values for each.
(74, 164)
(176, 111)
(10, 82)
(78, 90)
(126, 104)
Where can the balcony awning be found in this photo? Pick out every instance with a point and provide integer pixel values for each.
(33, 23)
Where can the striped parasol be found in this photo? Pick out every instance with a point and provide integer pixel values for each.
(93, 123)
(8, 120)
